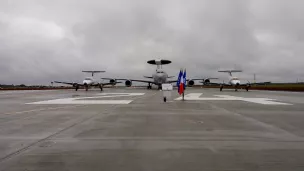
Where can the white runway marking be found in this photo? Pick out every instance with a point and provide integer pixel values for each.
(85, 100)
(265, 101)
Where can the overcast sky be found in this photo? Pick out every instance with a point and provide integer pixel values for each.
(46, 40)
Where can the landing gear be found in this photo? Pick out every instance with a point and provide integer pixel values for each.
(76, 88)
(236, 87)
(159, 87)
(86, 88)
(100, 86)
(165, 99)
(221, 88)
(247, 87)
(149, 86)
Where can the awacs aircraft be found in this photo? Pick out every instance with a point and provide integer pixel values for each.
(87, 82)
(235, 82)
(158, 78)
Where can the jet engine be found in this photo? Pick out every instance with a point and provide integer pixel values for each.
(113, 81)
(128, 83)
(191, 83)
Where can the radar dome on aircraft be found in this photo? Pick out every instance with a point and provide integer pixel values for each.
(159, 62)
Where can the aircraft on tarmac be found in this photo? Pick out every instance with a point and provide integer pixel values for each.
(158, 78)
(87, 83)
(235, 82)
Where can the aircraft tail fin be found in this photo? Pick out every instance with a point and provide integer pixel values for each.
(93, 72)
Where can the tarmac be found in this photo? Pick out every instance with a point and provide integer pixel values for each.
(128, 129)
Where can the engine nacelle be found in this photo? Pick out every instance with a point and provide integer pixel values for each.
(128, 83)
(113, 81)
(206, 82)
(191, 83)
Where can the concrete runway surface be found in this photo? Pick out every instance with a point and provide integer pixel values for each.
(132, 129)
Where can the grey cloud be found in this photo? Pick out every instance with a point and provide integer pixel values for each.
(42, 41)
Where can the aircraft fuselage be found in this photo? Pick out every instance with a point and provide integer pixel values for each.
(234, 81)
(160, 77)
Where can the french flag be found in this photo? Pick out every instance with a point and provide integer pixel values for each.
(181, 82)
(179, 79)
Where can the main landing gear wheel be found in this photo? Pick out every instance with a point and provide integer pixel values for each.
(101, 89)
(221, 88)
(149, 87)
(165, 99)
(76, 88)
(86, 88)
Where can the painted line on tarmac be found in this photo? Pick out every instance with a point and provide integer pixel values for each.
(38, 110)
(264, 101)
(85, 101)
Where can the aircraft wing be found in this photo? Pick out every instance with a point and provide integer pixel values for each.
(104, 84)
(213, 83)
(208, 78)
(66, 83)
(143, 81)
(148, 77)
(172, 81)
(124, 79)
(260, 83)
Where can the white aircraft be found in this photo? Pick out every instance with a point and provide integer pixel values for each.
(87, 83)
(235, 82)
(158, 78)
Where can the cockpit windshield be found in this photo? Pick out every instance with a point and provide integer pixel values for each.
(159, 71)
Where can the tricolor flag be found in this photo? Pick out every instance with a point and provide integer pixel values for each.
(179, 79)
(181, 86)
(185, 79)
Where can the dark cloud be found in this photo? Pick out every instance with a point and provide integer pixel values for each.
(42, 41)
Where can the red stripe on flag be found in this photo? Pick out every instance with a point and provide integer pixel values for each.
(181, 88)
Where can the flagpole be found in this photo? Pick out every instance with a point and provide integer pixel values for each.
(185, 82)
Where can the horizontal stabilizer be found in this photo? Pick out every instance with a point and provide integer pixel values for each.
(230, 71)
(93, 72)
